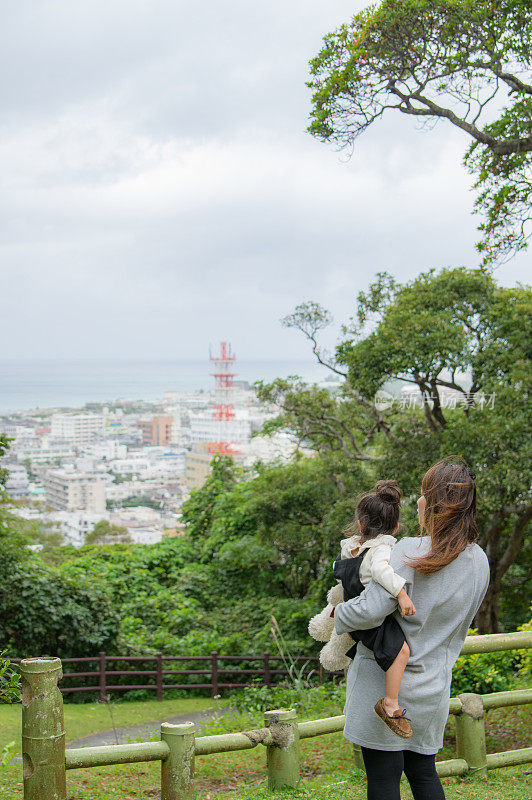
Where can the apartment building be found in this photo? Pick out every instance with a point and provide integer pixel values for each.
(198, 465)
(156, 431)
(67, 490)
(77, 428)
(17, 483)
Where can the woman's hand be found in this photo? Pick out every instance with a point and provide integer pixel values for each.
(405, 604)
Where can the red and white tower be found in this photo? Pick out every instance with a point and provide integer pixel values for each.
(224, 409)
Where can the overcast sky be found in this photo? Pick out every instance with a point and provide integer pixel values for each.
(160, 191)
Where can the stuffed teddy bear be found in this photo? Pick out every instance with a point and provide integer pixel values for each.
(321, 627)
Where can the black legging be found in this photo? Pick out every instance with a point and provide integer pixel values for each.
(384, 768)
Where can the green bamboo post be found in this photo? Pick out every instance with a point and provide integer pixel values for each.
(471, 733)
(282, 758)
(43, 729)
(357, 756)
(177, 769)
(357, 750)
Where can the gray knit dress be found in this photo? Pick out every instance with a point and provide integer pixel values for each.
(446, 603)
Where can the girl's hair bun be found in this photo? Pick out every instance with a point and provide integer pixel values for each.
(389, 491)
(377, 512)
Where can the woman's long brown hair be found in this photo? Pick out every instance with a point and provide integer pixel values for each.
(449, 517)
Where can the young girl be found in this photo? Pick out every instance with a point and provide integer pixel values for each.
(366, 555)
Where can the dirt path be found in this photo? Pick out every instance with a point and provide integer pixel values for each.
(142, 731)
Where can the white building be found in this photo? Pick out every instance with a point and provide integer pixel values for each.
(205, 428)
(106, 450)
(67, 490)
(144, 525)
(279, 447)
(17, 483)
(77, 428)
(75, 525)
(115, 492)
(15, 431)
(133, 465)
(43, 450)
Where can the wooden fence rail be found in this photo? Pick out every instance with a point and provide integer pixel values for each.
(105, 679)
(45, 760)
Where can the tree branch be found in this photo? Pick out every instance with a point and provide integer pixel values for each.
(515, 83)
(514, 545)
(498, 146)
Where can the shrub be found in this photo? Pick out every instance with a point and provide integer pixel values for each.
(9, 682)
(525, 666)
(483, 673)
(259, 698)
(41, 611)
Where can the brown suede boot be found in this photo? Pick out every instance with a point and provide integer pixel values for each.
(398, 724)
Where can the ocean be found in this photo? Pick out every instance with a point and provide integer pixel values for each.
(26, 385)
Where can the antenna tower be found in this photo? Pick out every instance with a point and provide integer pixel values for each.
(224, 409)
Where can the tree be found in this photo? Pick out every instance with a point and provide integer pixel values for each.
(454, 331)
(105, 533)
(457, 60)
(265, 546)
(198, 509)
(281, 527)
(428, 333)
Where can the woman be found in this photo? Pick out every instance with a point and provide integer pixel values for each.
(447, 576)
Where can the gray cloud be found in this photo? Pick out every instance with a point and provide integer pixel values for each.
(160, 191)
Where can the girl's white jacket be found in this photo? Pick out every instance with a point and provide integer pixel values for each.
(376, 562)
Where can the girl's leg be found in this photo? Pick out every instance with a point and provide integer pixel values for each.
(394, 676)
(383, 771)
(422, 776)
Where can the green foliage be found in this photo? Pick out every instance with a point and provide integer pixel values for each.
(458, 60)
(334, 424)
(504, 186)
(41, 612)
(105, 533)
(261, 543)
(44, 613)
(133, 502)
(140, 581)
(450, 330)
(7, 753)
(433, 325)
(483, 673)
(197, 511)
(9, 682)
(256, 548)
(258, 697)
(525, 665)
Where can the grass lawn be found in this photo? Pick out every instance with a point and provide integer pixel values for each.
(327, 771)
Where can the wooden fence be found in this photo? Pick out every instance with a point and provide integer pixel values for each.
(45, 761)
(105, 679)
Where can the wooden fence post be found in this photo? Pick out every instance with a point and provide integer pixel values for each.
(322, 673)
(282, 759)
(103, 685)
(471, 733)
(177, 770)
(159, 657)
(43, 730)
(214, 672)
(267, 675)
